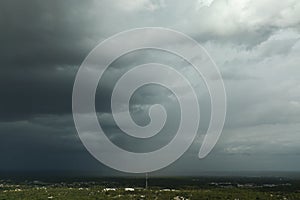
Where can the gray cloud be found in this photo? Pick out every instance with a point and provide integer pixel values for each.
(256, 44)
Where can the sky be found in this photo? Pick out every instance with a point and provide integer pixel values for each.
(255, 44)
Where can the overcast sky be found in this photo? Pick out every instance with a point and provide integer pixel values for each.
(255, 43)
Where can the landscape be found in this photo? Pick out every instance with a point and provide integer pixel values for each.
(149, 100)
(130, 188)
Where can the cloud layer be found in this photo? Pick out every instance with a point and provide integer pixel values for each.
(256, 45)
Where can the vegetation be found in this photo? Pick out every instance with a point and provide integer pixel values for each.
(114, 189)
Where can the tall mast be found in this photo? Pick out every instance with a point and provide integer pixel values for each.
(146, 185)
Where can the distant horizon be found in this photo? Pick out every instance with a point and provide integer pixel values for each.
(94, 174)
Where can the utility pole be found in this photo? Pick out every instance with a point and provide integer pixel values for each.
(146, 185)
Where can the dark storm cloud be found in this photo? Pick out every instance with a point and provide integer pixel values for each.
(255, 45)
(29, 92)
(42, 45)
(38, 34)
(42, 144)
